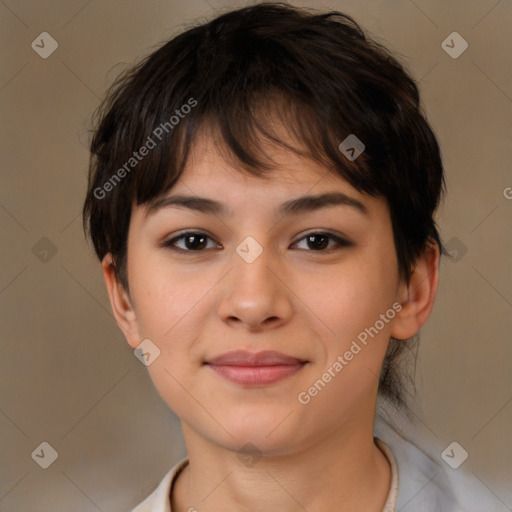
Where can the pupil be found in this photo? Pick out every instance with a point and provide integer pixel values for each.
(318, 245)
(196, 241)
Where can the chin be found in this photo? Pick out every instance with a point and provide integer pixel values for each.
(267, 436)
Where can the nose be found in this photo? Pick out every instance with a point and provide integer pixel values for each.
(255, 295)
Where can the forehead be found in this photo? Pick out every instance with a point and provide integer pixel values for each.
(212, 172)
(209, 163)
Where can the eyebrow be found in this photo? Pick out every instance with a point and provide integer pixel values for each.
(303, 204)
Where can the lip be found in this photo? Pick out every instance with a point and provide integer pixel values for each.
(255, 369)
(246, 358)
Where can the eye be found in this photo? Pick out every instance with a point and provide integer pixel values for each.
(197, 241)
(319, 242)
(194, 241)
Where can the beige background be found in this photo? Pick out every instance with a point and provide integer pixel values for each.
(67, 375)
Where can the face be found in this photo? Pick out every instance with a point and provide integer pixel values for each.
(327, 274)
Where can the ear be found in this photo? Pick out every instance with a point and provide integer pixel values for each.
(417, 297)
(121, 303)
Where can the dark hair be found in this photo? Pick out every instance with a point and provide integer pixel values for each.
(316, 73)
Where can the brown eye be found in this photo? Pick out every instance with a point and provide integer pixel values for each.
(190, 242)
(196, 241)
(319, 242)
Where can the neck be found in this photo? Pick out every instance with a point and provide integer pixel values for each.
(343, 471)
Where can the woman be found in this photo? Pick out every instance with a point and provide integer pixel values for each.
(262, 195)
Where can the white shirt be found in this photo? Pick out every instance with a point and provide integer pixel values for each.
(419, 482)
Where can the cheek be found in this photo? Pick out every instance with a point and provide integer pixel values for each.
(165, 296)
(348, 298)
(171, 306)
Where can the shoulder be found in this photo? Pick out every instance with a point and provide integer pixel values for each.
(158, 500)
(426, 483)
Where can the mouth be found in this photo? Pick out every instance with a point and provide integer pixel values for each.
(255, 369)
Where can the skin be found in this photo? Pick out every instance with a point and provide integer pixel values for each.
(293, 298)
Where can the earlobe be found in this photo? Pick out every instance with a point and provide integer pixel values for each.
(418, 296)
(120, 302)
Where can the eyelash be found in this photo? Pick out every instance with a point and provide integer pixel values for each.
(170, 244)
